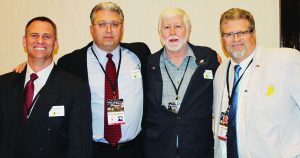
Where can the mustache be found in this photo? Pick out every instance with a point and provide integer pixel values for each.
(173, 37)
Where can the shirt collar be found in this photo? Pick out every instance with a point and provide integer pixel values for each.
(42, 75)
(101, 54)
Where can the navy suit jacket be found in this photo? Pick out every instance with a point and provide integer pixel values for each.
(193, 123)
(43, 136)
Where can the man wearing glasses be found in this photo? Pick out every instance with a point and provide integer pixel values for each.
(256, 94)
(114, 72)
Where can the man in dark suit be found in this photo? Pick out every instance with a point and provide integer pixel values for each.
(179, 93)
(90, 63)
(44, 111)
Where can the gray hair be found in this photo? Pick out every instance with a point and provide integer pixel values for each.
(107, 6)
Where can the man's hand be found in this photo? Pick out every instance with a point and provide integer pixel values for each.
(219, 58)
(20, 68)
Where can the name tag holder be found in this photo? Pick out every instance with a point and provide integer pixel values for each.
(115, 112)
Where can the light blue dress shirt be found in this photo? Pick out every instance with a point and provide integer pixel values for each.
(130, 89)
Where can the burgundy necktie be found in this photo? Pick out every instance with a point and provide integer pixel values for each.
(112, 133)
(28, 94)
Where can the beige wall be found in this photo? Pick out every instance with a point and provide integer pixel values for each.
(72, 19)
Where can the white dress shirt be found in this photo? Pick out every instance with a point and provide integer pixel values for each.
(39, 83)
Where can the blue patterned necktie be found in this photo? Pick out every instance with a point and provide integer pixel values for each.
(232, 149)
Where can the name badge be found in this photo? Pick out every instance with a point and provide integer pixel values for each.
(172, 106)
(57, 111)
(208, 74)
(222, 132)
(135, 74)
(115, 112)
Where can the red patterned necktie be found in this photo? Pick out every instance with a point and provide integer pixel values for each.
(28, 94)
(112, 133)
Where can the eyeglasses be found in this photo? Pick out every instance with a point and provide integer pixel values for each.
(104, 24)
(239, 34)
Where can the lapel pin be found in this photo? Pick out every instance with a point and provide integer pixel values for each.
(153, 67)
(201, 62)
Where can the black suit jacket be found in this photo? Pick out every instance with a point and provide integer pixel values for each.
(193, 123)
(43, 136)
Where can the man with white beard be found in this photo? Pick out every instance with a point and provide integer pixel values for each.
(180, 93)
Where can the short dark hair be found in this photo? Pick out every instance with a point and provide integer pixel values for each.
(44, 19)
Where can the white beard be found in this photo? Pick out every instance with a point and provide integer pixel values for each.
(174, 46)
(238, 54)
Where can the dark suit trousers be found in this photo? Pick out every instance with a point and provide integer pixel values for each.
(131, 149)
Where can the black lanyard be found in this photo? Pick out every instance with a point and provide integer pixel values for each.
(177, 89)
(112, 85)
(235, 86)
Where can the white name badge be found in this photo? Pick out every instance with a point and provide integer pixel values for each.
(115, 112)
(208, 74)
(57, 111)
(135, 74)
(116, 118)
(222, 133)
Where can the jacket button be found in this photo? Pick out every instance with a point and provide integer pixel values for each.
(178, 117)
(41, 149)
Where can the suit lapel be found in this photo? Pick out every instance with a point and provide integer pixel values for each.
(254, 80)
(84, 71)
(197, 74)
(195, 77)
(219, 88)
(155, 77)
(16, 97)
(48, 96)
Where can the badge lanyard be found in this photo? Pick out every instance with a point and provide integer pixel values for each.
(235, 86)
(177, 89)
(112, 85)
(38, 95)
